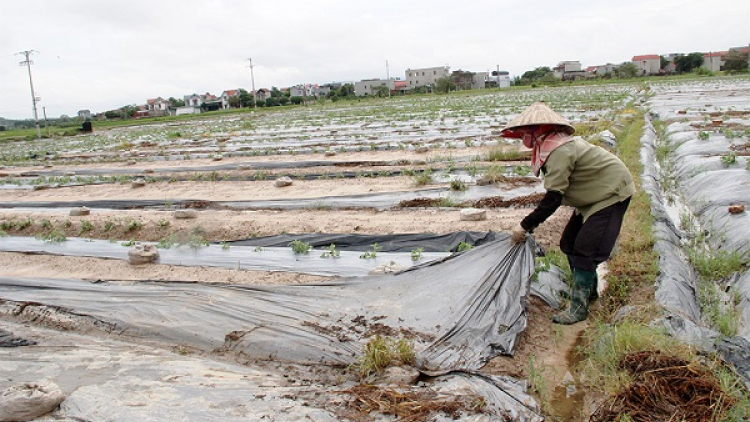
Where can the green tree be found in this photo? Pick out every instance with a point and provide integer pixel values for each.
(296, 99)
(174, 102)
(686, 63)
(380, 91)
(735, 62)
(272, 101)
(128, 111)
(445, 85)
(275, 92)
(246, 99)
(234, 102)
(663, 62)
(346, 91)
(626, 70)
(531, 76)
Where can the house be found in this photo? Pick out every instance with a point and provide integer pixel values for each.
(196, 100)
(647, 64)
(262, 94)
(321, 91)
(502, 78)
(227, 95)
(568, 70)
(141, 111)
(469, 80)
(714, 60)
(370, 87)
(193, 100)
(427, 76)
(743, 50)
(302, 90)
(157, 106)
(400, 87)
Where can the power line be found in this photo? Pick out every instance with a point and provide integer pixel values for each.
(28, 62)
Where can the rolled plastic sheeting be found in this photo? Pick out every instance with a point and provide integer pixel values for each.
(461, 311)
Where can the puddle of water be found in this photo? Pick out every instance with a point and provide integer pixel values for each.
(567, 399)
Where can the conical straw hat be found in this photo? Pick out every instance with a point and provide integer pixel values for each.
(537, 114)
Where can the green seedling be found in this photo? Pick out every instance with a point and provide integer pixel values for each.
(331, 252)
(372, 253)
(300, 248)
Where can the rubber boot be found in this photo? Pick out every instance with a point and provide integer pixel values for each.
(565, 294)
(578, 310)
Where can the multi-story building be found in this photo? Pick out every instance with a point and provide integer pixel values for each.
(647, 64)
(427, 76)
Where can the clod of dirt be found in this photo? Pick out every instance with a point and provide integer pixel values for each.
(28, 401)
(283, 181)
(736, 209)
(81, 211)
(473, 214)
(185, 214)
(143, 254)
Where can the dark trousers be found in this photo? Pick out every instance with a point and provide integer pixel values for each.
(589, 244)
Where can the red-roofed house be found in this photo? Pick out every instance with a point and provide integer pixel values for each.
(648, 64)
(714, 61)
(226, 95)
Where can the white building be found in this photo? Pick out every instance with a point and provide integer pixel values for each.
(479, 80)
(648, 64)
(427, 76)
(368, 87)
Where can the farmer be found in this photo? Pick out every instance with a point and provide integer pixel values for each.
(587, 177)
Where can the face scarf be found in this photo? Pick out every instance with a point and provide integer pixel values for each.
(542, 146)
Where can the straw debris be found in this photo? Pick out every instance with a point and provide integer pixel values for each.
(410, 405)
(665, 388)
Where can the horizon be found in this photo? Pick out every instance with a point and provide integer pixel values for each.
(101, 56)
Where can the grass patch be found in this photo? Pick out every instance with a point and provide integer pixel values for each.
(423, 178)
(606, 344)
(503, 154)
(381, 352)
(634, 264)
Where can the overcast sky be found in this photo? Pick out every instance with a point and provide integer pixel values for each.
(101, 54)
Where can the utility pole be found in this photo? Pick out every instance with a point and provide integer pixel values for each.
(28, 62)
(252, 80)
(388, 78)
(46, 123)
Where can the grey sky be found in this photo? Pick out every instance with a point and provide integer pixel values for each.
(102, 54)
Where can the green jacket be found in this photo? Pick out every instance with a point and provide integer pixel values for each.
(589, 177)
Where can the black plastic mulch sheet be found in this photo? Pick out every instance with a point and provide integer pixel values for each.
(708, 187)
(460, 311)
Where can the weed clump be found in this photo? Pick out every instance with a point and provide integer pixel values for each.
(665, 388)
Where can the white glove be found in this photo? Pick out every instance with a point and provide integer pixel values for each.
(518, 234)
